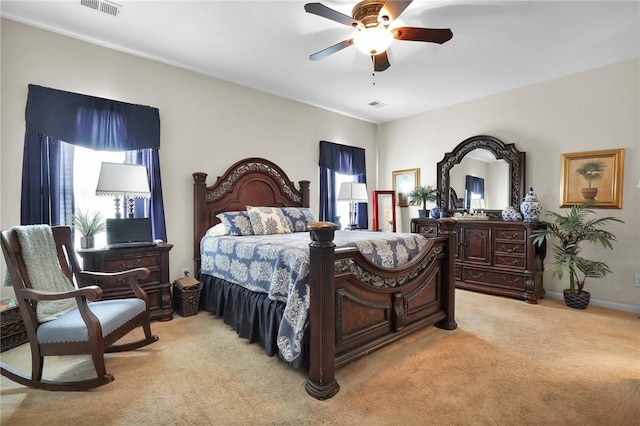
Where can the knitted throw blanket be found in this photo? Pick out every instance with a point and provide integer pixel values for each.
(41, 259)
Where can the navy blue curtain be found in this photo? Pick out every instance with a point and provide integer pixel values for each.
(346, 160)
(154, 206)
(53, 116)
(47, 181)
(96, 123)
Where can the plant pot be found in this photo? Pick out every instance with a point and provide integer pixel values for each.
(86, 242)
(422, 214)
(589, 193)
(577, 300)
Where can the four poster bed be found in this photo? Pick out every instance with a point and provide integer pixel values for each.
(349, 296)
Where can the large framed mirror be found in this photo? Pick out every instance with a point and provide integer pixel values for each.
(483, 173)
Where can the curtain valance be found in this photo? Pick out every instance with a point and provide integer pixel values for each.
(342, 159)
(92, 122)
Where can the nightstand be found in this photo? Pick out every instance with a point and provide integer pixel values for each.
(157, 284)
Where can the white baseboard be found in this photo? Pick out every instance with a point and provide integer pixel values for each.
(602, 303)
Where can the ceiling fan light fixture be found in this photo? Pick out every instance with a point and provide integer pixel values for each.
(373, 40)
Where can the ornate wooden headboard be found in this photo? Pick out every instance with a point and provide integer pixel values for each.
(249, 182)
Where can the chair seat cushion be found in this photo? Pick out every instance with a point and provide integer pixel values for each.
(70, 327)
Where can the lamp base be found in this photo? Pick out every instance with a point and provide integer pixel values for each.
(131, 207)
(117, 201)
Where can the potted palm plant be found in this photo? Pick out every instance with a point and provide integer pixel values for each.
(591, 170)
(568, 232)
(420, 195)
(88, 224)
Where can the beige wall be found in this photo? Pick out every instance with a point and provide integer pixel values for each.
(206, 124)
(593, 110)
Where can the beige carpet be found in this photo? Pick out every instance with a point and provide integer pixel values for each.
(508, 363)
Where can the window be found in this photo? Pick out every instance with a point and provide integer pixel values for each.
(86, 169)
(342, 207)
(81, 120)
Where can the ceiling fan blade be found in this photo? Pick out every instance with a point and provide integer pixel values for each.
(380, 62)
(393, 8)
(326, 12)
(432, 35)
(331, 50)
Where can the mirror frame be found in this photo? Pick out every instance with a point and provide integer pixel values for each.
(508, 152)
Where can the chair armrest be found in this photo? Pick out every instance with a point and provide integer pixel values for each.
(91, 293)
(108, 280)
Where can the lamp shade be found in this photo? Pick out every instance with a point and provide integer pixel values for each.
(353, 191)
(118, 179)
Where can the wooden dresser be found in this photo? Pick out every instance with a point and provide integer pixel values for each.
(157, 285)
(495, 257)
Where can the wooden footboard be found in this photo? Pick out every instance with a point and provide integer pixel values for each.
(357, 307)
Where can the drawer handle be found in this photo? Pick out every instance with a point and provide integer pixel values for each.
(509, 249)
(510, 280)
(476, 276)
(510, 263)
(123, 265)
(428, 231)
(509, 236)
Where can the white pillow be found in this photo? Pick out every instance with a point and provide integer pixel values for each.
(268, 220)
(218, 230)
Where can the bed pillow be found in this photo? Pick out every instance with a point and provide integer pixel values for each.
(218, 230)
(237, 223)
(268, 220)
(300, 218)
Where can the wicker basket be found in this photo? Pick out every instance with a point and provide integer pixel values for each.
(186, 301)
(12, 329)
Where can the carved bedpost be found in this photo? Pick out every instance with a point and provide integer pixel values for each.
(199, 215)
(322, 316)
(304, 190)
(447, 228)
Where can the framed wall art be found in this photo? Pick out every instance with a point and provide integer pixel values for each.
(593, 175)
(404, 181)
(384, 211)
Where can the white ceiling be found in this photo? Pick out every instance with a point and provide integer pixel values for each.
(265, 45)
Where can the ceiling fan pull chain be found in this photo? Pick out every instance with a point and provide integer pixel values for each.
(373, 73)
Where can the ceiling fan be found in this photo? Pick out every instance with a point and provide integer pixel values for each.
(373, 21)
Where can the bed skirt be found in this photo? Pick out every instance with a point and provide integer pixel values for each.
(253, 315)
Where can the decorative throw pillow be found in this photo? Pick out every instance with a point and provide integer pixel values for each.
(268, 220)
(217, 230)
(300, 218)
(237, 223)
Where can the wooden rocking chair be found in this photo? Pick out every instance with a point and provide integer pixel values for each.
(87, 328)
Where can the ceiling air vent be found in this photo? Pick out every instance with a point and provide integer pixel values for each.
(108, 7)
(377, 104)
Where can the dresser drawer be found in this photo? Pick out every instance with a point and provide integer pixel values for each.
(505, 234)
(494, 279)
(510, 261)
(124, 263)
(509, 248)
(427, 229)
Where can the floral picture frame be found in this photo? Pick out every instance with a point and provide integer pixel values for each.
(592, 175)
(404, 181)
